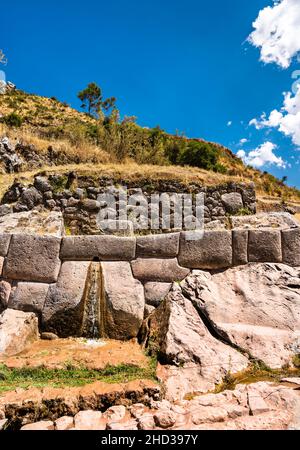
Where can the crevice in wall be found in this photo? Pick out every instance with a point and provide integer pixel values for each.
(214, 330)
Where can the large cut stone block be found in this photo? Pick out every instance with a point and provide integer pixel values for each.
(264, 246)
(28, 297)
(158, 246)
(164, 270)
(291, 247)
(33, 258)
(87, 248)
(122, 308)
(4, 244)
(240, 247)
(64, 305)
(212, 251)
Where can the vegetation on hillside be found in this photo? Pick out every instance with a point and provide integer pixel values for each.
(100, 136)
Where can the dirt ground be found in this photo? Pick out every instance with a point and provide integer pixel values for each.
(78, 352)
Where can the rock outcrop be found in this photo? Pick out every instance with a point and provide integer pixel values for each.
(254, 307)
(195, 360)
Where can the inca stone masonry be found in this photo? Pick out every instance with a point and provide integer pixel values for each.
(104, 286)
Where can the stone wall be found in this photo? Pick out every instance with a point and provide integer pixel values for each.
(105, 285)
(77, 198)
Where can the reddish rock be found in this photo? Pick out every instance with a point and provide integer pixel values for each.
(89, 420)
(115, 413)
(42, 425)
(64, 423)
(164, 419)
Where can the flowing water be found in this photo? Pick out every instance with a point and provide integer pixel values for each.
(91, 325)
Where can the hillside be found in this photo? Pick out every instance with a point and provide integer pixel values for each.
(70, 137)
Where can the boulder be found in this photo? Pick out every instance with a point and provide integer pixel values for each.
(254, 307)
(63, 310)
(146, 422)
(155, 292)
(103, 248)
(13, 193)
(115, 413)
(33, 258)
(28, 297)
(194, 360)
(31, 197)
(162, 270)
(159, 245)
(164, 419)
(42, 184)
(232, 202)
(264, 246)
(89, 420)
(17, 331)
(64, 423)
(212, 250)
(123, 304)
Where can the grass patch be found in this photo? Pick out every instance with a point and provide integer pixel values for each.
(71, 376)
(255, 373)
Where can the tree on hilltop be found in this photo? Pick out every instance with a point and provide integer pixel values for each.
(92, 100)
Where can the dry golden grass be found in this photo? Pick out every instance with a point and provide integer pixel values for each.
(85, 151)
(127, 171)
(25, 104)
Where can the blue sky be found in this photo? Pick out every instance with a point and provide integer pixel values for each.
(185, 65)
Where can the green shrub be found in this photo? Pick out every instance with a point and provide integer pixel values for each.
(13, 120)
(200, 154)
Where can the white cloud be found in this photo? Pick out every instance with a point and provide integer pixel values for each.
(286, 120)
(229, 123)
(262, 156)
(243, 141)
(277, 32)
